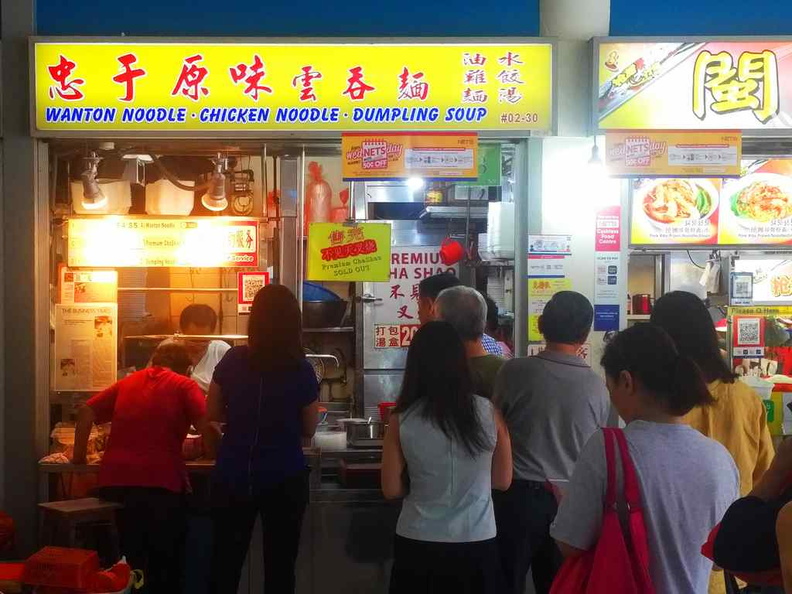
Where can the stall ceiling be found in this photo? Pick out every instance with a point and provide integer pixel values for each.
(309, 18)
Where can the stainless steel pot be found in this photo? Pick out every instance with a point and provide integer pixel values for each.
(323, 314)
(363, 430)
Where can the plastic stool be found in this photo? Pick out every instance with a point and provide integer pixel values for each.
(61, 520)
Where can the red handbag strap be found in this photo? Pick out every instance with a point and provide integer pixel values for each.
(610, 458)
(632, 494)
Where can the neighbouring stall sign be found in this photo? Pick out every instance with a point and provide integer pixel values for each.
(694, 85)
(753, 210)
(349, 251)
(397, 299)
(432, 155)
(162, 86)
(248, 285)
(152, 243)
(644, 153)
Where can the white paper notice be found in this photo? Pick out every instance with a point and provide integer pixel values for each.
(85, 347)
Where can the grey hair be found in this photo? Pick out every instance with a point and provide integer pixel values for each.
(465, 309)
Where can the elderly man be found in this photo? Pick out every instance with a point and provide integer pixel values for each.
(465, 309)
(428, 291)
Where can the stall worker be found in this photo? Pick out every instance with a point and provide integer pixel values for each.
(142, 468)
(200, 319)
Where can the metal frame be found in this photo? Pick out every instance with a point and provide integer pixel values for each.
(269, 134)
(594, 82)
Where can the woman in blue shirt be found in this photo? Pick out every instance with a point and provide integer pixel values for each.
(267, 394)
(455, 448)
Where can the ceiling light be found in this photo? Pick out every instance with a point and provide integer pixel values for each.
(215, 197)
(415, 183)
(93, 197)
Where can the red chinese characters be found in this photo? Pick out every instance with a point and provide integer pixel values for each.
(128, 75)
(396, 292)
(509, 95)
(510, 59)
(402, 313)
(356, 86)
(350, 250)
(476, 77)
(305, 83)
(476, 59)
(412, 86)
(252, 76)
(474, 96)
(65, 88)
(336, 237)
(190, 82)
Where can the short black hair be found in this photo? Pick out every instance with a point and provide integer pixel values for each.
(492, 313)
(172, 355)
(431, 287)
(198, 314)
(567, 318)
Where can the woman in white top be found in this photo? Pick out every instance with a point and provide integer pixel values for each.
(455, 448)
(687, 481)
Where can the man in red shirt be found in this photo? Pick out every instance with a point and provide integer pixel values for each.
(151, 412)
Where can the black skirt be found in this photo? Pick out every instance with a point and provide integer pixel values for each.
(421, 567)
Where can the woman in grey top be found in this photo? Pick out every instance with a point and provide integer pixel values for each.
(687, 481)
(455, 449)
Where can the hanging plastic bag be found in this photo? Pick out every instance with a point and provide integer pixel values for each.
(318, 197)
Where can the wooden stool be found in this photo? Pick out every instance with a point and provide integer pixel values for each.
(60, 521)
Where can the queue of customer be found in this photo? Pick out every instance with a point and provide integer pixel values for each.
(677, 399)
(480, 449)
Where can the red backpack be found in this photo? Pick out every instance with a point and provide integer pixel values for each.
(619, 563)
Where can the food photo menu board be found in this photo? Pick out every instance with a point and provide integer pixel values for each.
(753, 210)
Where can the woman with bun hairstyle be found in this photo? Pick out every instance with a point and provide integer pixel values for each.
(687, 481)
(735, 417)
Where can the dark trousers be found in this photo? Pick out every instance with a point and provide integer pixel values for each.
(151, 527)
(281, 508)
(523, 515)
(421, 567)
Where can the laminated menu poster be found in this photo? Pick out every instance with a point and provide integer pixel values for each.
(85, 347)
(754, 210)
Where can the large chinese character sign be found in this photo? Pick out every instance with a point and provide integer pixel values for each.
(696, 85)
(250, 87)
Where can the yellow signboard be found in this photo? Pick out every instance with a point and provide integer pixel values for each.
(189, 243)
(540, 291)
(644, 153)
(349, 252)
(435, 155)
(253, 87)
(774, 310)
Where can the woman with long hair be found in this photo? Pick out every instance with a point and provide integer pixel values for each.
(686, 480)
(267, 394)
(736, 417)
(454, 448)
